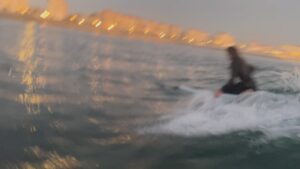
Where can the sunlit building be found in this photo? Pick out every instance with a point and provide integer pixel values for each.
(196, 36)
(223, 40)
(58, 9)
(4, 4)
(175, 32)
(162, 30)
(258, 48)
(13, 6)
(290, 51)
(118, 22)
(93, 20)
(109, 18)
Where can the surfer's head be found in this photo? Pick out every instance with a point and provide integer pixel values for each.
(233, 53)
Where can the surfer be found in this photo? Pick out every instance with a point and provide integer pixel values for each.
(241, 75)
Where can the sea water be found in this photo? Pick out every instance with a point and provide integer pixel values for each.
(71, 99)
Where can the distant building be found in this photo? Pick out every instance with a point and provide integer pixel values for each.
(175, 32)
(196, 36)
(13, 6)
(291, 51)
(58, 9)
(223, 40)
(3, 4)
(258, 48)
(138, 26)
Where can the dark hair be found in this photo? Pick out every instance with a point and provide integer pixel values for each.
(233, 52)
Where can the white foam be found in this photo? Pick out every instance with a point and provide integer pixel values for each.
(290, 81)
(187, 89)
(281, 81)
(274, 114)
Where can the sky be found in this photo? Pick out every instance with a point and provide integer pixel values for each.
(272, 22)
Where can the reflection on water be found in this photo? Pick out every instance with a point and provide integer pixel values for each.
(29, 78)
(30, 56)
(119, 140)
(49, 160)
(100, 84)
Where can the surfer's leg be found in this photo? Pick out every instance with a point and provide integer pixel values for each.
(231, 89)
(237, 88)
(243, 88)
(240, 88)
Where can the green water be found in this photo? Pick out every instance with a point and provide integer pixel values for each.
(76, 100)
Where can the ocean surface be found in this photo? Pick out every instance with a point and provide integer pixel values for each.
(73, 100)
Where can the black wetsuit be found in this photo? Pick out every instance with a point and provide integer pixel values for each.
(241, 71)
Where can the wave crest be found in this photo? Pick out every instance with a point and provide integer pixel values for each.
(273, 114)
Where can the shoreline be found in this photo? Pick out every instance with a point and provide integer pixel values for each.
(93, 30)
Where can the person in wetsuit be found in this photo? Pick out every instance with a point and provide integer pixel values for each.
(241, 75)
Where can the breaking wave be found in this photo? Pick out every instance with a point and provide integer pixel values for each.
(273, 114)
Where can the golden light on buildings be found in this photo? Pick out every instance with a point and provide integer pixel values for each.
(81, 21)
(209, 42)
(13, 6)
(223, 40)
(195, 36)
(111, 27)
(162, 35)
(276, 53)
(191, 40)
(132, 29)
(110, 20)
(242, 46)
(58, 9)
(24, 11)
(95, 22)
(98, 24)
(173, 36)
(292, 51)
(45, 14)
(73, 18)
(146, 31)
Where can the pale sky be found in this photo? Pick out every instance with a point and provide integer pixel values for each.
(267, 21)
